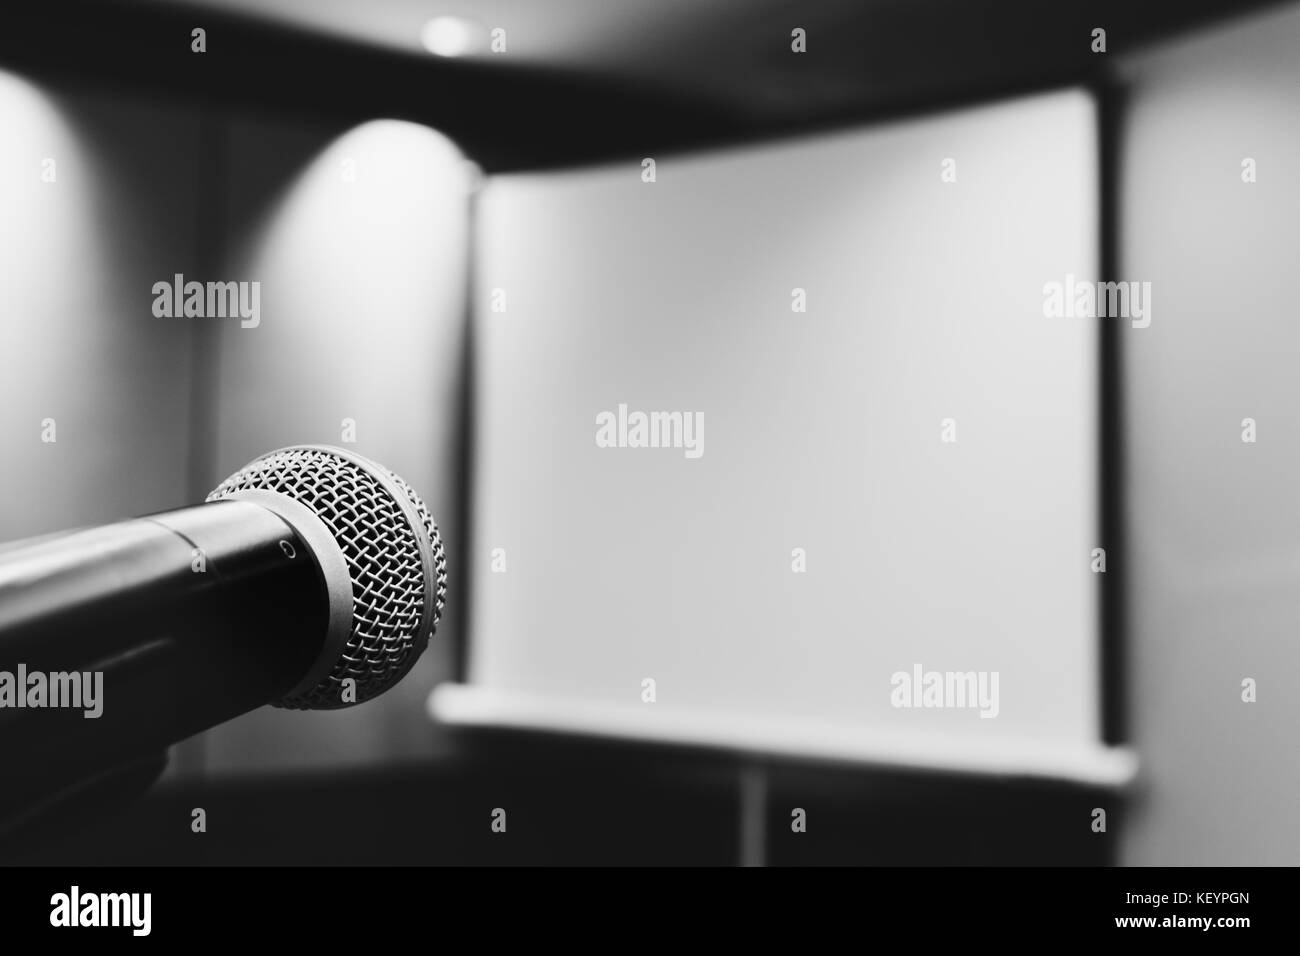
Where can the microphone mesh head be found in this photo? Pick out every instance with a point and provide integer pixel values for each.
(369, 512)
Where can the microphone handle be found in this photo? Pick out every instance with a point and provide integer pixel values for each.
(192, 617)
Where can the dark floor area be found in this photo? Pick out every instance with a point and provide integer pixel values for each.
(581, 803)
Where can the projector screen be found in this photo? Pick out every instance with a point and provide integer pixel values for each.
(778, 448)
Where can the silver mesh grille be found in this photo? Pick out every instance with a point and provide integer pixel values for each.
(439, 557)
(383, 555)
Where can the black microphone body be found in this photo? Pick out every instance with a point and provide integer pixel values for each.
(191, 617)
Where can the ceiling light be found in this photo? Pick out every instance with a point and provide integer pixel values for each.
(449, 36)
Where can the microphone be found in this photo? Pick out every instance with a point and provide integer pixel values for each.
(311, 578)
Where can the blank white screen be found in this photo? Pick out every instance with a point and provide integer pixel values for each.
(822, 429)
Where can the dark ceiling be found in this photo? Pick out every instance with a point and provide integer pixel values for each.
(584, 80)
